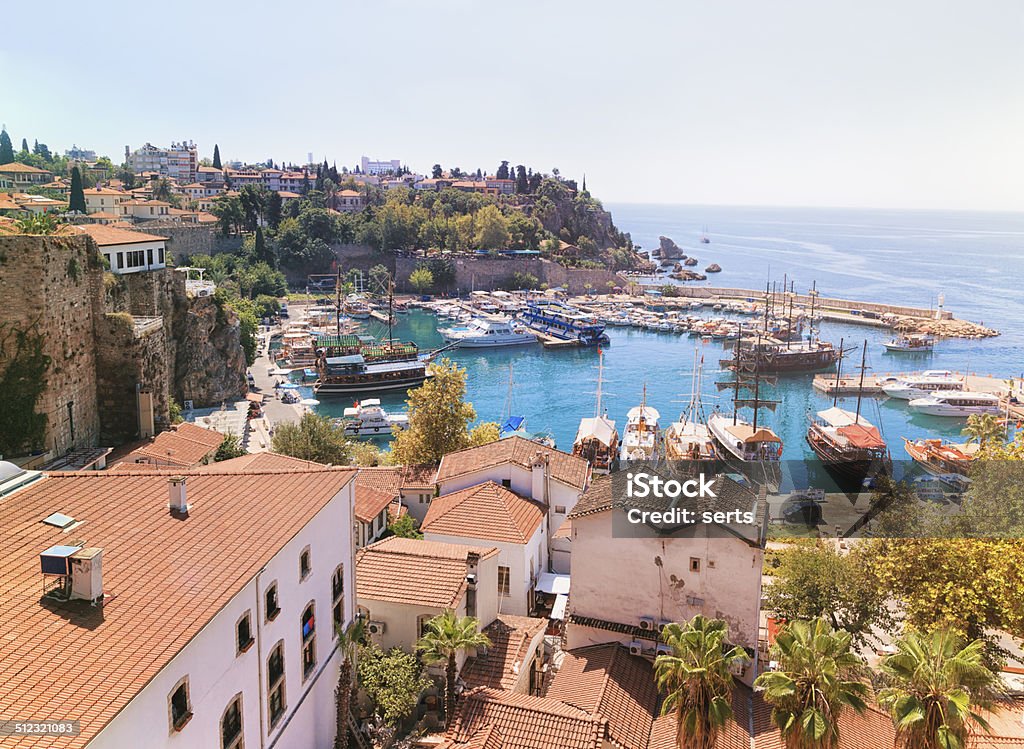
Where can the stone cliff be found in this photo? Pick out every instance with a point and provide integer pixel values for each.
(210, 363)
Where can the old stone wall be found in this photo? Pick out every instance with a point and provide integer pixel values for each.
(53, 286)
(191, 239)
(488, 274)
(209, 362)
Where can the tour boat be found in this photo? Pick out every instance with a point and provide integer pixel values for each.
(773, 355)
(563, 322)
(922, 385)
(689, 439)
(487, 332)
(340, 375)
(910, 344)
(641, 439)
(368, 419)
(942, 458)
(956, 403)
(597, 439)
(356, 307)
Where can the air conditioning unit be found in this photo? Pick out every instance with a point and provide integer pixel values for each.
(636, 648)
(375, 628)
(662, 623)
(663, 649)
(647, 623)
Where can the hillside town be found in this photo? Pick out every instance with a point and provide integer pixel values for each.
(195, 556)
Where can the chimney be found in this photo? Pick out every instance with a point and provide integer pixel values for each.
(178, 496)
(539, 470)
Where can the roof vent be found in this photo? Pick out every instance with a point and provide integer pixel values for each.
(59, 520)
(178, 497)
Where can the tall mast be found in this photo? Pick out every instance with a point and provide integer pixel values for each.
(391, 310)
(839, 371)
(337, 303)
(600, 375)
(757, 392)
(813, 295)
(736, 384)
(860, 387)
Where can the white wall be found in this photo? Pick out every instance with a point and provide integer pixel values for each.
(216, 673)
(111, 251)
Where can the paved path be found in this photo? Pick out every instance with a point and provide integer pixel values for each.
(274, 411)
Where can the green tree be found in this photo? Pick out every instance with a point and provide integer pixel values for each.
(696, 680)
(491, 228)
(438, 418)
(380, 280)
(349, 640)
(6, 149)
(174, 411)
(315, 438)
(24, 145)
(816, 681)
(484, 433)
(937, 679)
(230, 448)
(77, 195)
(262, 253)
(421, 279)
(446, 636)
(273, 213)
(502, 172)
(393, 680)
(216, 156)
(817, 581)
(404, 527)
(522, 183)
(366, 454)
(435, 171)
(984, 429)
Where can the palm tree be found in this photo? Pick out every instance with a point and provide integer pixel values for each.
(815, 682)
(348, 643)
(696, 680)
(983, 429)
(446, 636)
(936, 679)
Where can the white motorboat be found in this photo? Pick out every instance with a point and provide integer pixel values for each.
(641, 439)
(368, 419)
(961, 404)
(923, 385)
(486, 332)
(910, 344)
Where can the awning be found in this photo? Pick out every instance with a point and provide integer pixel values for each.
(254, 397)
(558, 610)
(552, 582)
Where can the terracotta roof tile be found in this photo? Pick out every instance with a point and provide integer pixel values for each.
(370, 503)
(525, 722)
(566, 468)
(16, 167)
(606, 680)
(155, 568)
(260, 462)
(486, 511)
(185, 445)
(414, 571)
(108, 235)
(510, 641)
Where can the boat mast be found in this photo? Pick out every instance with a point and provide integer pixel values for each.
(789, 319)
(337, 303)
(814, 295)
(860, 387)
(736, 384)
(391, 309)
(839, 371)
(508, 396)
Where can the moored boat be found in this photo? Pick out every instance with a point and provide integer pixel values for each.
(956, 404)
(597, 439)
(930, 381)
(488, 332)
(941, 458)
(367, 418)
(911, 344)
(641, 440)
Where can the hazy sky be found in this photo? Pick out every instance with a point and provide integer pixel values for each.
(880, 103)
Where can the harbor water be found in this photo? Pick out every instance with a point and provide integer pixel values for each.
(975, 261)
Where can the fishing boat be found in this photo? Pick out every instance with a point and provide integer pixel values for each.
(688, 441)
(488, 332)
(930, 381)
(911, 344)
(367, 418)
(704, 238)
(356, 307)
(597, 439)
(942, 458)
(566, 323)
(641, 440)
(956, 404)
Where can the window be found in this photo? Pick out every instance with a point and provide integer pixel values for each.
(161, 255)
(135, 259)
(275, 683)
(181, 709)
(149, 256)
(504, 581)
(421, 624)
(308, 630)
(273, 609)
(231, 725)
(694, 564)
(244, 631)
(305, 565)
(507, 483)
(559, 509)
(338, 597)
(120, 260)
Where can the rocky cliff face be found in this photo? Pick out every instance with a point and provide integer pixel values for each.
(210, 363)
(668, 250)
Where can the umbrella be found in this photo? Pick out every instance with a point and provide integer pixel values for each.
(309, 402)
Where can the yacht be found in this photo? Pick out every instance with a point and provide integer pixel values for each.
(956, 403)
(368, 419)
(486, 332)
(689, 439)
(356, 307)
(641, 440)
(563, 322)
(743, 441)
(919, 386)
(910, 344)
(597, 439)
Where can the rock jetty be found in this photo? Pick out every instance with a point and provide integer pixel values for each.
(943, 328)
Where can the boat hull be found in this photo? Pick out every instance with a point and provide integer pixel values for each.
(348, 388)
(848, 468)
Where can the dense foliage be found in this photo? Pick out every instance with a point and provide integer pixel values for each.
(393, 680)
(315, 438)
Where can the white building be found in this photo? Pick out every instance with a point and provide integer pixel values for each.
(179, 162)
(128, 251)
(104, 200)
(550, 477)
(369, 166)
(180, 612)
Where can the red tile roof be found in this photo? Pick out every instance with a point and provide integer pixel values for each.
(370, 503)
(606, 680)
(510, 641)
(486, 511)
(106, 236)
(16, 167)
(185, 445)
(563, 467)
(525, 722)
(260, 462)
(394, 479)
(414, 571)
(165, 579)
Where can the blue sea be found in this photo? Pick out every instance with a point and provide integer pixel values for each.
(975, 261)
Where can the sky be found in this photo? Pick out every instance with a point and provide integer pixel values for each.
(861, 103)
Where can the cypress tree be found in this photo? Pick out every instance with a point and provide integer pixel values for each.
(77, 199)
(24, 145)
(6, 150)
(216, 156)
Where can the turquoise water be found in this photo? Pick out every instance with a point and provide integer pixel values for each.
(976, 260)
